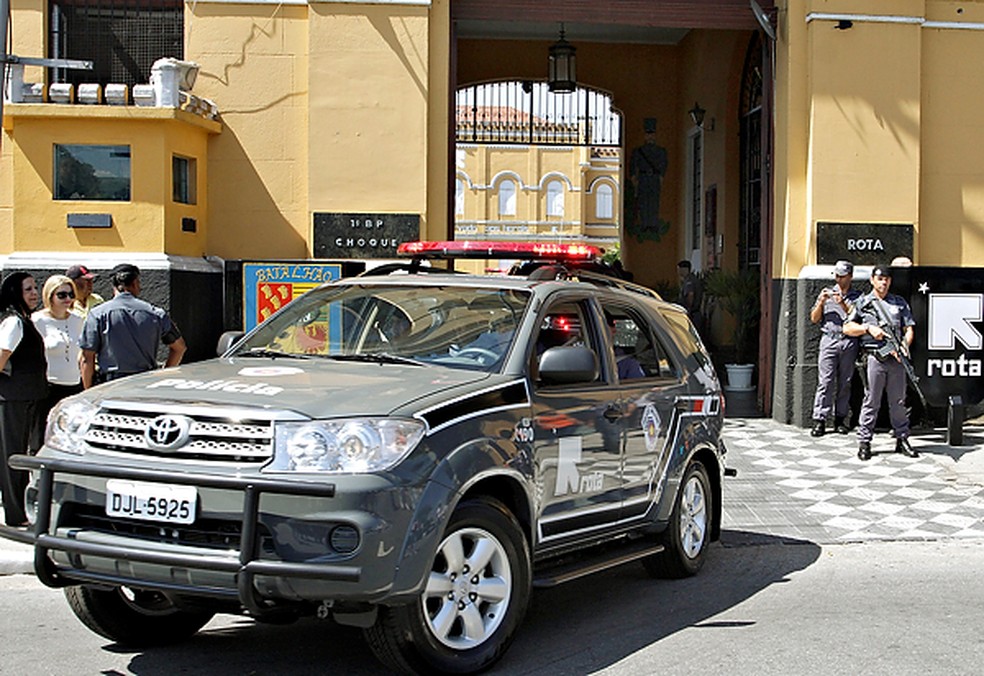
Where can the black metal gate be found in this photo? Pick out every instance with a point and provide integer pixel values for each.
(527, 112)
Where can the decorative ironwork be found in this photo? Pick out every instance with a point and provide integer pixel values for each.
(527, 112)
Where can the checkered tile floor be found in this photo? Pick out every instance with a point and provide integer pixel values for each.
(793, 486)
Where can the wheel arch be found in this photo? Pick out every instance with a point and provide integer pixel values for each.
(707, 457)
(477, 468)
(507, 489)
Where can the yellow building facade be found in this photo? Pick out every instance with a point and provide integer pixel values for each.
(821, 122)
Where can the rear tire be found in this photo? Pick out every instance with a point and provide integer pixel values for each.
(476, 596)
(686, 538)
(132, 617)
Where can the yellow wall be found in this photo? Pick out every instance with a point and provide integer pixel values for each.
(874, 124)
(951, 205)
(254, 65)
(39, 223)
(711, 65)
(328, 107)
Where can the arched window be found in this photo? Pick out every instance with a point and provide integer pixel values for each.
(555, 198)
(604, 202)
(459, 197)
(507, 198)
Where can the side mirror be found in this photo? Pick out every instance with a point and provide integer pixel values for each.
(227, 340)
(568, 365)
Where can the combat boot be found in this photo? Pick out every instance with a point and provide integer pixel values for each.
(864, 450)
(840, 426)
(819, 428)
(902, 446)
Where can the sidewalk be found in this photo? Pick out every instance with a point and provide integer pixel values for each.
(791, 485)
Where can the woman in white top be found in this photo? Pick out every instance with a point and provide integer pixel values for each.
(60, 328)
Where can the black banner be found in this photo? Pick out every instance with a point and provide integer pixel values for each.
(363, 235)
(863, 243)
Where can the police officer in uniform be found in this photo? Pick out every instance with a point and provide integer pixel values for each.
(873, 316)
(838, 352)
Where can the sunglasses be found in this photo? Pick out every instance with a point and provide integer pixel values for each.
(62, 295)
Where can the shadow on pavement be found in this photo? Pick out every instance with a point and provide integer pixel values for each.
(583, 626)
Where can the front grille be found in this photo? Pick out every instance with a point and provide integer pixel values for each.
(216, 435)
(215, 534)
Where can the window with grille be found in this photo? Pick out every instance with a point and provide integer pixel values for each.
(122, 38)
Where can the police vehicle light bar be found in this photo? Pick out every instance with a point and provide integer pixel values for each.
(514, 250)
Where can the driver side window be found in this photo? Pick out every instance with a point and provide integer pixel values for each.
(565, 324)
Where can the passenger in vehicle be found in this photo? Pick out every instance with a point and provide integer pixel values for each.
(628, 366)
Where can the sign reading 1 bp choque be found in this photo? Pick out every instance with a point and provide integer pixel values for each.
(363, 235)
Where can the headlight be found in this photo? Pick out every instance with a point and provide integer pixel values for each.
(67, 425)
(344, 446)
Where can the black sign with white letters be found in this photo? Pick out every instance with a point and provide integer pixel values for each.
(863, 243)
(363, 235)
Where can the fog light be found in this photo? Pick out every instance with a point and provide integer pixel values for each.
(344, 539)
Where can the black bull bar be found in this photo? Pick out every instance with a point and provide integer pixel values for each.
(245, 568)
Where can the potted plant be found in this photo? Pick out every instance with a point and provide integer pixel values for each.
(736, 292)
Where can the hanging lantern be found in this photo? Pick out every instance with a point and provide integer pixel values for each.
(562, 74)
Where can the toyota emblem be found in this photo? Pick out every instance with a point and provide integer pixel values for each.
(167, 432)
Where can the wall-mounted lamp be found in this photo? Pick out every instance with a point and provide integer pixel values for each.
(562, 72)
(697, 115)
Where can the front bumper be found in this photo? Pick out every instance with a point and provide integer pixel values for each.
(235, 574)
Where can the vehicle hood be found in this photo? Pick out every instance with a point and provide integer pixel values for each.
(315, 387)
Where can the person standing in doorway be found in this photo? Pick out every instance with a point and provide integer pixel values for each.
(85, 299)
(873, 317)
(124, 333)
(23, 386)
(838, 352)
(690, 293)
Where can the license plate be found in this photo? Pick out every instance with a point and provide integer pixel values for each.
(165, 503)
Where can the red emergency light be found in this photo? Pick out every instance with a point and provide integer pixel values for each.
(514, 250)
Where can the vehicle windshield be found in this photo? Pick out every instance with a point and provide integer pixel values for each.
(455, 326)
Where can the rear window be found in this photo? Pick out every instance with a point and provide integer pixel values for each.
(685, 336)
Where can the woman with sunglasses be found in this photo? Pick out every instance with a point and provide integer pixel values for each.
(60, 328)
(23, 385)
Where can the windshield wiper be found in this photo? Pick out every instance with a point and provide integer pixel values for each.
(267, 352)
(377, 358)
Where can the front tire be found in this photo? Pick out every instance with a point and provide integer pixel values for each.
(133, 617)
(686, 538)
(474, 600)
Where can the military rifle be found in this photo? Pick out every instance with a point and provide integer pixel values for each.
(894, 344)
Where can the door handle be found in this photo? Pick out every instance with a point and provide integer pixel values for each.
(612, 413)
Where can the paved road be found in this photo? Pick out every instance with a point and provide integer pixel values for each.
(827, 565)
(767, 609)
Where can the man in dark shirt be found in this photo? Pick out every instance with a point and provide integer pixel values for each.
(123, 333)
(873, 316)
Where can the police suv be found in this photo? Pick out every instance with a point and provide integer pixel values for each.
(410, 451)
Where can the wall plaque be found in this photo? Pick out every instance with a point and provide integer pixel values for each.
(363, 235)
(90, 220)
(863, 243)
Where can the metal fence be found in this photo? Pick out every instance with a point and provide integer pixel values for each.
(123, 38)
(528, 113)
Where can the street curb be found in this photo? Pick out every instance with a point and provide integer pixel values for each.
(16, 563)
